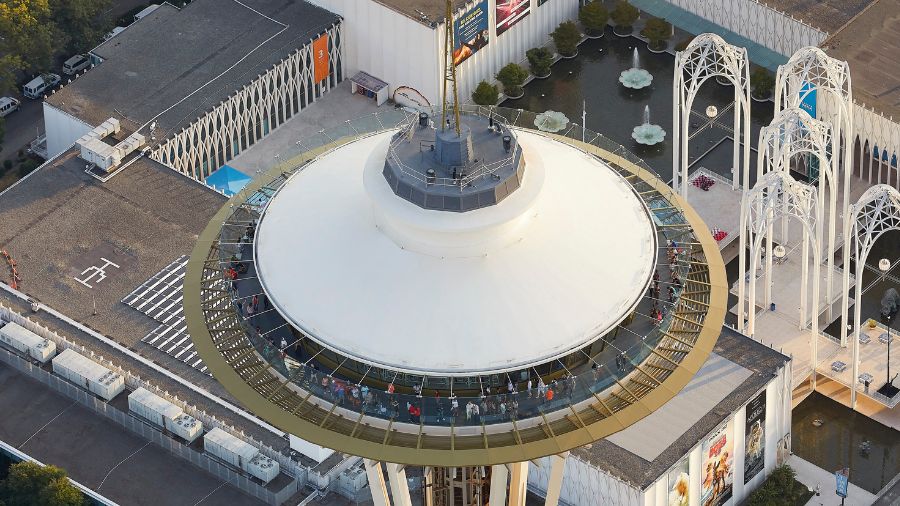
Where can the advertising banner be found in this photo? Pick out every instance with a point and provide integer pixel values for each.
(679, 484)
(717, 467)
(320, 59)
(808, 98)
(755, 442)
(470, 32)
(510, 12)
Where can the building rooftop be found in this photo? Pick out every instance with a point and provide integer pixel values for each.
(60, 221)
(423, 11)
(826, 15)
(870, 43)
(642, 453)
(200, 55)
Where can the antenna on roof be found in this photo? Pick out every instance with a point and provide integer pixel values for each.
(449, 74)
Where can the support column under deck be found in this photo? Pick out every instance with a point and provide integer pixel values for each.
(554, 486)
(376, 483)
(399, 486)
(518, 483)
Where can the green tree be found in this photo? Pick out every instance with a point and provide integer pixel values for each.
(30, 484)
(762, 83)
(658, 31)
(624, 15)
(593, 17)
(486, 94)
(81, 23)
(539, 59)
(566, 38)
(512, 77)
(27, 41)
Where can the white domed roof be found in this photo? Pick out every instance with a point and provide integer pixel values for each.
(367, 274)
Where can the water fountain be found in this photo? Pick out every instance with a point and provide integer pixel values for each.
(646, 133)
(635, 77)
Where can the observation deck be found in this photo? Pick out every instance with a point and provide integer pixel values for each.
(401, 387)
(438, 168)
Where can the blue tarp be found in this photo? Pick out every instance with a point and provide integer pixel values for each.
(228, 180)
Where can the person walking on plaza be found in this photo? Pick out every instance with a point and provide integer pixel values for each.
(529, 387)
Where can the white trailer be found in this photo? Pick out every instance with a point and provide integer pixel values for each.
(25, 341)
(163, 413)
(240, 454)
(86, 373)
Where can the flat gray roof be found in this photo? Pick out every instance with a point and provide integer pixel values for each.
(60, 221)
(738, 369)
(101, 454)
(157, 65)
(434, 11)
(871, 45)
(826, 15)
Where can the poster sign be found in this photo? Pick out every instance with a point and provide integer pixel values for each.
(320, 59)
(679, 484)
(717, 467)
(470, 32)
(510, 12)
(842, 479)
(755, 441)
(808, 98)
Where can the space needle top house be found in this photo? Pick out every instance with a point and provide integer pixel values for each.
(458, 291)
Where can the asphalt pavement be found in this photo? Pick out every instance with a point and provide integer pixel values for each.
(21, 127)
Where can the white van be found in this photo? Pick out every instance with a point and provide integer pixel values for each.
(37, 86)
(75, 64)
(7, 106)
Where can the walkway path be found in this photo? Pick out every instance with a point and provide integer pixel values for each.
(811, 476)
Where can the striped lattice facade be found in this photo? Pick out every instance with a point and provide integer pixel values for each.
(252, 112)
(758, 22)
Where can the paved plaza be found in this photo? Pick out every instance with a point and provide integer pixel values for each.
(334, 108)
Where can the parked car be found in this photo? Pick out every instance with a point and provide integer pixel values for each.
(75, 64)
(8, 105)
(40, 84)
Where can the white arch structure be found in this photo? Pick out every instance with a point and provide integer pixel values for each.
(794, 132)
(775, 195)
(877, 211)
(810, 71)
(708, 55)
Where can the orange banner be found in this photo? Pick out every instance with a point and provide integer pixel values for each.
(320, 58)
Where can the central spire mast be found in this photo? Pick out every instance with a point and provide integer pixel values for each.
(449, 101)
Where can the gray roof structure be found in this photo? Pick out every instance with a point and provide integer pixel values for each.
(826, 15)
(60, 221)
(427, 12)
(174, 65)
(737, 370)
(870, 43)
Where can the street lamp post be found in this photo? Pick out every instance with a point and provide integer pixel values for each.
(884, 265)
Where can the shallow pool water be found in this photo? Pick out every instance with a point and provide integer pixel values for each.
(840, 441)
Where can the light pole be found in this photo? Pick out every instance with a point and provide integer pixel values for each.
(884, 265)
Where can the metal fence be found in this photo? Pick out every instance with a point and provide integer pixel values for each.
(143, 429)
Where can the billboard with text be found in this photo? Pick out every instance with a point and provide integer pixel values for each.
(717, 467)
(470, 32)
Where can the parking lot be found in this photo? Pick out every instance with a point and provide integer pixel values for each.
(100, 454)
